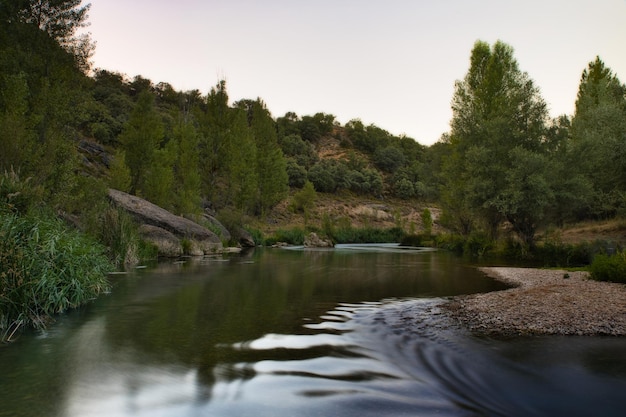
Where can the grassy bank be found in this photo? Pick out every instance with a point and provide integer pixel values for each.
(47, 268)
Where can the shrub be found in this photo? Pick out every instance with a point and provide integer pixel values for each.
(45, 269)
(117, 231)
(389, 159)
(297, 174)
(367, 235)
(609, 267)
(427, 221)
(293, 236)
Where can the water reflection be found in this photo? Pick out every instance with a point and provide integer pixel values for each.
(297, 332)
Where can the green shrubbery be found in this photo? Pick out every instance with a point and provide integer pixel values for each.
(294, 236)
(46, 268)
(609, 267)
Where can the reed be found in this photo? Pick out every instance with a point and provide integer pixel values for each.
(46, 268)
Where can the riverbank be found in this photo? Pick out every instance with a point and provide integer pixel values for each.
(543, 302)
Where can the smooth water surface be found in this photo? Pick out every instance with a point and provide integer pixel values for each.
(354, 331)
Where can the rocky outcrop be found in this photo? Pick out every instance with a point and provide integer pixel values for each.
(197, 240)
(169, 245)
(237, 233)
(245, 238)
(312, 240)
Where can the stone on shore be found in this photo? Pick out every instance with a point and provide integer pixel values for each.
(200, 240)
(544, 302)
(312, 240)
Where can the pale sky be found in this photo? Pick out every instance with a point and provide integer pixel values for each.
(391, 63)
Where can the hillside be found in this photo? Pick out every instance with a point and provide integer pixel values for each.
(346, 207)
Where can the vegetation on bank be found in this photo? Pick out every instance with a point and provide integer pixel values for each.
(47, 268)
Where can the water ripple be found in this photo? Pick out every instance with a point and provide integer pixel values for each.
(403, 357)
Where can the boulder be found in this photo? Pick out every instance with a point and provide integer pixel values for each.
(201, 240)
(224, 233)
(245, 238)
(168, 245)
(312, 240)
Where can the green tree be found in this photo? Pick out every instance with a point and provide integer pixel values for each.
(228, 153)
(119, 173)
(16, 131)
(159, 183)
(60, 19)
(242, 173)
(271, 165)
(140, 138)
(498, 125)
(304, 200)
(187, 170)
(215, 124)
(598, 144)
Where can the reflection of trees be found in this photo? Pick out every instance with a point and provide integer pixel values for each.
(193, 314)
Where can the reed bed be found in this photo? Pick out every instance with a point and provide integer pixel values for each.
(46, 268)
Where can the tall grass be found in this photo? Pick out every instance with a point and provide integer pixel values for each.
(45, 269)
(116, 229)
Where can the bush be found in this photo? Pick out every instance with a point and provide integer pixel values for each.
(116, 230)
(293, 236)
(609, 267)
(367, 235)
(45, 269)
(389, 159)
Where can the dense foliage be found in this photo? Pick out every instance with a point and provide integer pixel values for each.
(609, 267)
(507, 167)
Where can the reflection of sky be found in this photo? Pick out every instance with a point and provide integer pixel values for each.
(367, 247)
(107, 383)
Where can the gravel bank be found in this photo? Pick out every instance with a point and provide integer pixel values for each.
(543, 302)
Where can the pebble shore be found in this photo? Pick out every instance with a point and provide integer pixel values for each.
(543, 302)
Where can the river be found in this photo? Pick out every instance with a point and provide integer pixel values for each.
(352, 331)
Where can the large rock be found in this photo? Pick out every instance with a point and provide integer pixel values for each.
(312, 240)
(200, 239)
(167, 243)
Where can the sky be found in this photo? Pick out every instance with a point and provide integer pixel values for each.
(390, 63)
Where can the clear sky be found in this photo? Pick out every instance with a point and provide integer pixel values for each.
(392, 63)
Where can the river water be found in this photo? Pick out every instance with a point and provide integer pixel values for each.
(354, 331)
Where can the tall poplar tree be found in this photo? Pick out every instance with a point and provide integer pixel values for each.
(187, 169)
(599, 137)
(271, 163)
(140, 139)
(498, 128)
(227, 153)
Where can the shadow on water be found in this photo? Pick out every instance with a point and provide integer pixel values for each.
(355, 331)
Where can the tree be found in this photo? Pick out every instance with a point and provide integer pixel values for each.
(119, 173)
(60, 19)
(498, 125)
(140, 139)
(228, 153)
(17, 138)
(271, 164)
(598, 144)
(304, 200)
(187, 170)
